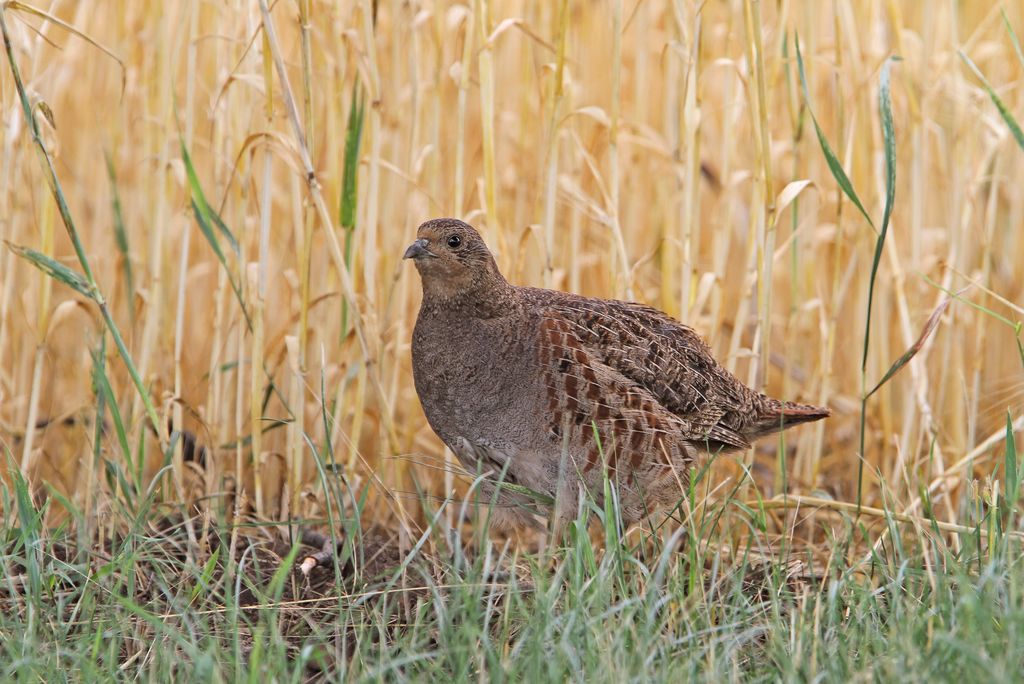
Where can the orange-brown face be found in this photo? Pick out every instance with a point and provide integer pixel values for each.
(449, 255)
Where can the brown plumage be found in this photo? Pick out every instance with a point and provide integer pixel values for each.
(552, 390)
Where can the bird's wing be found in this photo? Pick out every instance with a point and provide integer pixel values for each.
(597, 413)
(665, 358)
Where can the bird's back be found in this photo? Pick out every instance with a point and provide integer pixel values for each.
(671, 362)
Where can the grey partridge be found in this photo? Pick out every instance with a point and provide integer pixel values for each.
(552, 392)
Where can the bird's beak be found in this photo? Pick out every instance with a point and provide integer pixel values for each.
(418, 249)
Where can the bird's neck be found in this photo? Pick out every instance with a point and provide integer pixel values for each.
(484, 298)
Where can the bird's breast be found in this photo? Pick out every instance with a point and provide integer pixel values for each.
(470, 375)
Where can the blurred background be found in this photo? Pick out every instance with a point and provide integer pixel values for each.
(656, 150)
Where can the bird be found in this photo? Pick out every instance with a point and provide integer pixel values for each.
(549, 396)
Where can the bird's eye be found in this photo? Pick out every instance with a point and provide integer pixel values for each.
(454, 241)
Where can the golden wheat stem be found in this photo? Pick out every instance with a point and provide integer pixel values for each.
(28, 449)
(468, 33)
(375, 132)
(178, 464)
(987, 259)
(8, 260)
(154, 311)
(255, 399)
(485, 67)
(722, 238)
(689, 214)
(257, 281)
(8, 379)
(764, 194)
(293, 461)
(313, 183)
(613, 150)
(554, 120)
(308, 216)
(217, 416)
(240, 421)
(46, 230)
(334, 248)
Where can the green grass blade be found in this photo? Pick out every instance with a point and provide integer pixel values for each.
(121, 239)
(202, 207)
(350, 169)
(211, 237)
(1020, 345)
(206, 578)
(1012, 474)
(1004, 112)
(974, 305)
(53, 268)
(830, 156)
(350, 185)
(103, 389)
(29, 531)
(1013, 37)
(926, 331)
(206, 218)
(98, 356)
(539, 497)
(889, 136)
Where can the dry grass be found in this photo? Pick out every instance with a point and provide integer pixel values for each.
(661, 166)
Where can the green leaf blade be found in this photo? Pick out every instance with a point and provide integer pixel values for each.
(204, 212)
(1012, 475)
(831, 159)
(54, 269)
(121, 239)
(1004, 111)
(889, 137)
(350, 167)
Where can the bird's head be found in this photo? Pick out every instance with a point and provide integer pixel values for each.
(453, 261)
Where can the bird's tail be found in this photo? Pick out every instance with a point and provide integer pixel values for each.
(778, 415)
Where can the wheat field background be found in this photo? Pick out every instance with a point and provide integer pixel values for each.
(674, 163)
(242, 178)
